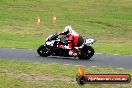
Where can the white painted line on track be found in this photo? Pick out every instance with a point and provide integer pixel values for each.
(77, 65)
(119, 68)
(13, 48)
(98, 53)
(112, 54)
(94, 66)
(66, 64)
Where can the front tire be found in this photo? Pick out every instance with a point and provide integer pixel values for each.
(86, 53)
(44, 51)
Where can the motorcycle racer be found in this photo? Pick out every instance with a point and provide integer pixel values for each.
(74, 39)
(69, 44)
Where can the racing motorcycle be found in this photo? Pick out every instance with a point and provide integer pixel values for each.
(54, 46)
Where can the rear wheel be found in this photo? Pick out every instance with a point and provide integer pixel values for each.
(86, 53)
(44, 51)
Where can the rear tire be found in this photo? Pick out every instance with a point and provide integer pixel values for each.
(87, 53)
(44, 51)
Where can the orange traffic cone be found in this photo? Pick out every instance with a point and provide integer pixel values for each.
(54, 20)
(38, 22)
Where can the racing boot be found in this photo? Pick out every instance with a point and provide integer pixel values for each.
(72, 53)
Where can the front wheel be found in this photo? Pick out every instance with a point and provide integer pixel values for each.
(86, 53)
(44, 51)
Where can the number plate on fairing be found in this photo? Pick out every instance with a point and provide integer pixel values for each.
(90, 41)
(50, 43)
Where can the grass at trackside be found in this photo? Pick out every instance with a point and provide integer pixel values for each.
(113, 48)
(109, 21)
(14, 74)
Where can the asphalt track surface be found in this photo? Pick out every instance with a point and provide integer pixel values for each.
(101, 60)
